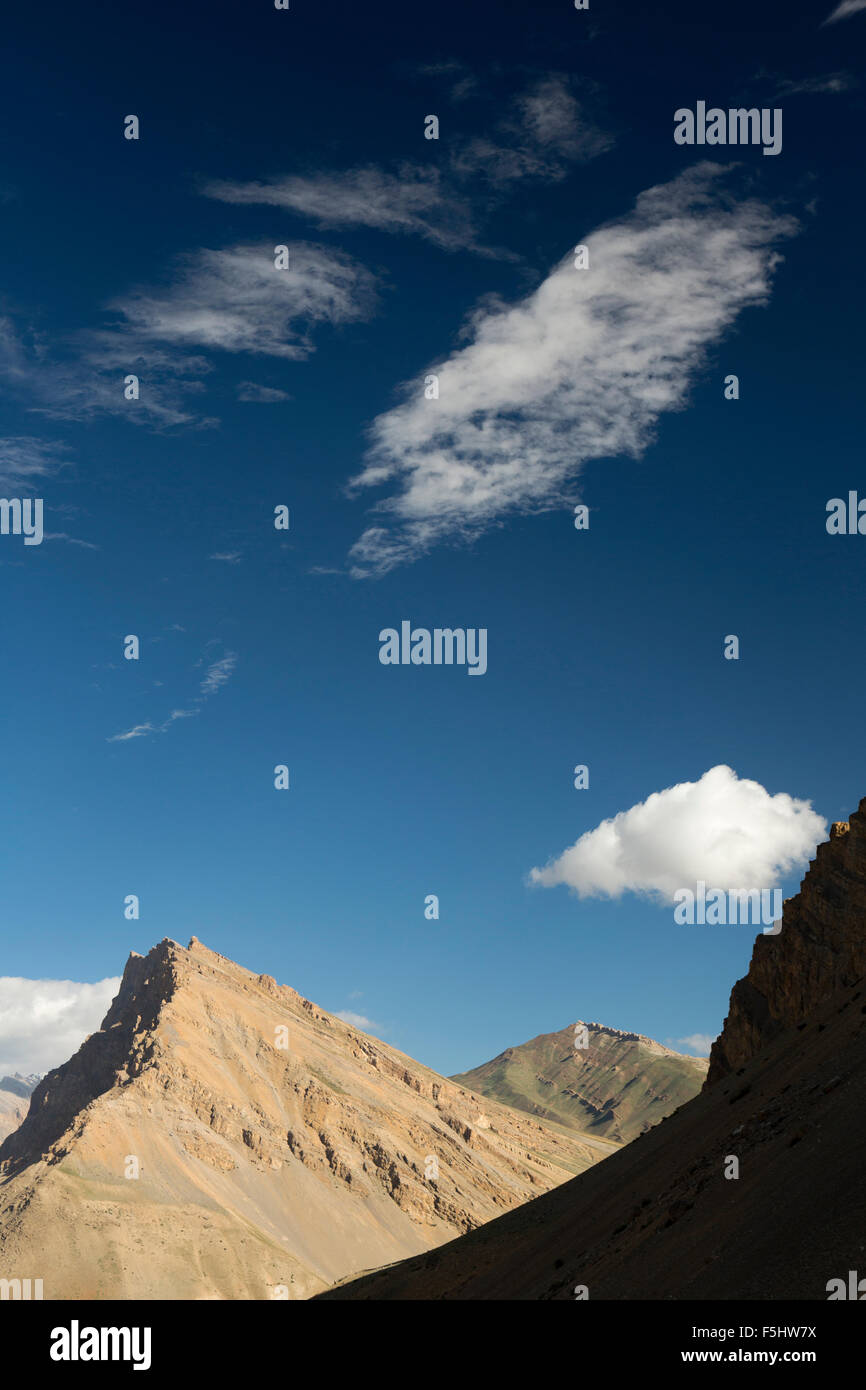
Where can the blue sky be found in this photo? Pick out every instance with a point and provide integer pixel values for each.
(558, 386)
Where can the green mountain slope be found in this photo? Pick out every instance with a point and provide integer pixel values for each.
(616, 1087)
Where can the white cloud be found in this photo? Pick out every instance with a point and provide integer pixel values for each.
(547, 132)
(412, 200)
(845, 10)
(70, 540)
(359, 1021)
(218, 673)
(26, 461)
(726, 831)
(235, 300)
(230, 300)
(544, 133)
(262, 395)
(43, 1022)
(832, 84)
(580, 369)
(229, 557)
(698, 1043)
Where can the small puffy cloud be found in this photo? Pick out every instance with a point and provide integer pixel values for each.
(359, 1021)
(582, 368)
(845, 10)
(726, 831)
(698, 1043)
(43, 1022)
(229, 557)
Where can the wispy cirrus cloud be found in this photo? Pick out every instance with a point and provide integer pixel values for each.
(26, 461)
(234, 300)
(580, 369)
(218, 673)
(251, 391)
(225, 301)
(829, 84)
(70, 540)
(413, 199)
(726, 831)
(545, 132)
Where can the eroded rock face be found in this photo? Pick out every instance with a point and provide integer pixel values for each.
(820, 950)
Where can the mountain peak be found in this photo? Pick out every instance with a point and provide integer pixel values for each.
(618, 1086)
(257, 1140)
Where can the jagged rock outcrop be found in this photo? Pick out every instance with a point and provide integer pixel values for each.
(820, 949)
(221, 1136)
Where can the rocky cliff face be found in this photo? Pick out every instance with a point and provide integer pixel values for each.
(223, 1137)
(820, 950)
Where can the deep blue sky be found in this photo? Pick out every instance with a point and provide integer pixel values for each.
(604, 646)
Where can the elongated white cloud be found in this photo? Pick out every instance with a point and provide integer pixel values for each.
(580, 369)
(723, 830)
(43, 1022)
(845, 10)
(412, 200)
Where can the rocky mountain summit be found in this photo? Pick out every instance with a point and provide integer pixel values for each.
(221, 1136)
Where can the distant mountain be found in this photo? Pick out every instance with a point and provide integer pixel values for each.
(756, 1188)
(15, 1092)
(618, 1086)
(19, 1085)
(222, 1137)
